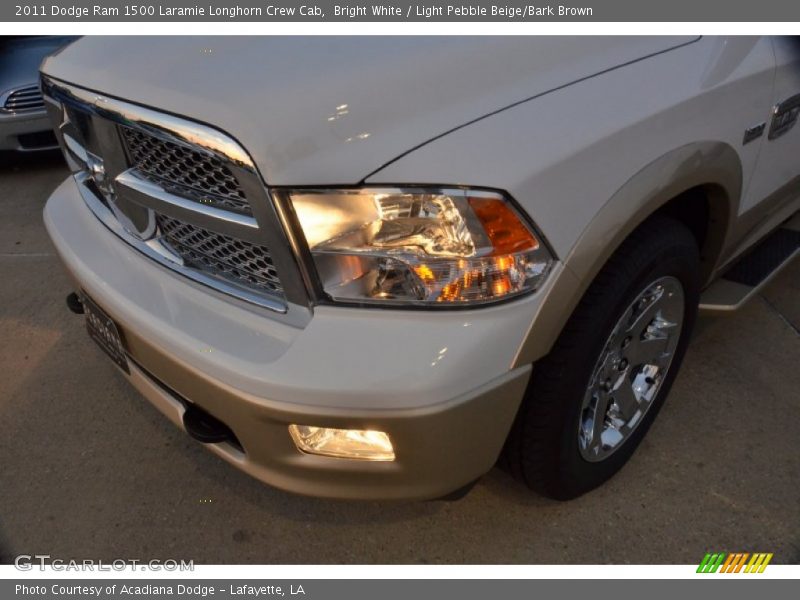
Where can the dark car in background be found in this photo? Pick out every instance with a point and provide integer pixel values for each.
(24, 126)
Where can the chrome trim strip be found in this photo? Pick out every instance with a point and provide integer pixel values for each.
(156, 123)
(77, 152)
(161, 255)
(784, 117)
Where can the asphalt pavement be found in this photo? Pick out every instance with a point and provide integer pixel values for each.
(88, 469)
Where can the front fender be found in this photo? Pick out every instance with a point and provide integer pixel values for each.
(714, 166)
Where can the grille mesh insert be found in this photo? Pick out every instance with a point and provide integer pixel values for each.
(228, 258)
(185, 171)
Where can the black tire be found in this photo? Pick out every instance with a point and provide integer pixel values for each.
(542, 448)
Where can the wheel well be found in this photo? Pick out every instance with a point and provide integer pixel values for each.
(705, 211)
(705, 207)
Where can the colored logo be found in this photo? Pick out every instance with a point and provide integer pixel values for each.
(735, 562)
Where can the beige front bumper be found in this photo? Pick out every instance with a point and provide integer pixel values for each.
(440, 385)
(438, 449)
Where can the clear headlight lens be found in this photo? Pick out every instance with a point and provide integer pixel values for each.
(444, 246)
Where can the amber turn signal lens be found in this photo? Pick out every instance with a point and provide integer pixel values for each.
(506, 232)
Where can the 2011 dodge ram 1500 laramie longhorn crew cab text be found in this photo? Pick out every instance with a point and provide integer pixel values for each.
(373, 267)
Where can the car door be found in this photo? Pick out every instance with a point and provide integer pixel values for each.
(778, 165)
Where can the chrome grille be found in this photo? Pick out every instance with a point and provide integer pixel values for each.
(198, 185)
(26, 99)
(231, 259)
(185, 171)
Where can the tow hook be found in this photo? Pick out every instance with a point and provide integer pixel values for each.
(74, 303)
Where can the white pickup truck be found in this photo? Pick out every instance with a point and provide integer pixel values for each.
(371, 267)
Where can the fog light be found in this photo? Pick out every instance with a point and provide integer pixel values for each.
(364, 444)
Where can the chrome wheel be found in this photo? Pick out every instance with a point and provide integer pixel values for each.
(631, 369)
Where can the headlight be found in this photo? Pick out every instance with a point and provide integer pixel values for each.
(430, 246)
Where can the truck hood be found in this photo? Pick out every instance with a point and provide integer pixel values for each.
(332, 110)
